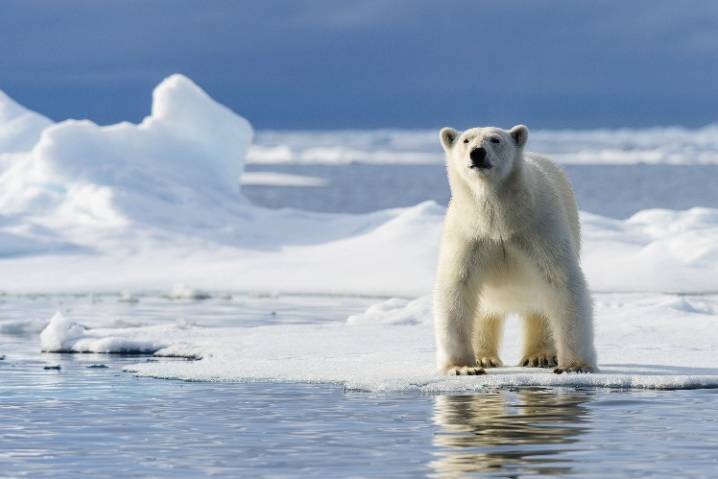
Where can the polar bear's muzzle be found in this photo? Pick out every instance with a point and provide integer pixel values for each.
(479, 159)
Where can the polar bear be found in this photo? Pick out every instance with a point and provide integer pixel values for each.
(510, 244)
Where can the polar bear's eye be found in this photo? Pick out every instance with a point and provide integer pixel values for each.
(494, 139)
(466, 140)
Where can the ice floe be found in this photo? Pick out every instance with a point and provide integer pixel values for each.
(644, 341)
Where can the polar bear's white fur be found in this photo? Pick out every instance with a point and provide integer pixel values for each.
(510, 244)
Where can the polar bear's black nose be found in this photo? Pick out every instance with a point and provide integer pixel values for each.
(478, 158)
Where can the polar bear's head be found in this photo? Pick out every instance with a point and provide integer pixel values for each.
(483, 154)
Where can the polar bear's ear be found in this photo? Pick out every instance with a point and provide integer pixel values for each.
(448, 136)
(520, 134)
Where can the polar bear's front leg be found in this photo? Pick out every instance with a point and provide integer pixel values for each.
(454, 307)
(572, 326)
(487, 338)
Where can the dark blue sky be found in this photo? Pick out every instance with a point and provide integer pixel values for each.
(368, 64)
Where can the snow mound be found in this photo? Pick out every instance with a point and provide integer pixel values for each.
(654, 250)
(391, 348)
(63, 335)
(60, 334)
(395, 311)
(187, 157)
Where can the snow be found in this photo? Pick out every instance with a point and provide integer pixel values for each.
(61, 334)
(664, 250)
(81, 178)
(644, 340)
(148, 205)
(391, 252)
(159, 202)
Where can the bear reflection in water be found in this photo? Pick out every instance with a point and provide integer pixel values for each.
(507, 433)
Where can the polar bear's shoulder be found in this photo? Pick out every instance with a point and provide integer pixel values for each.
(544, 169)
(547, 176)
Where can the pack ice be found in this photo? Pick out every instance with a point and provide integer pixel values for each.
(144, 206)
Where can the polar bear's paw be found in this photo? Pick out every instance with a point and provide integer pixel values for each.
(465, 371)
(574, 367)
(539, 360)
(489, 361)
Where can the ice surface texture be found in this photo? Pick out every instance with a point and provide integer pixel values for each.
(645, 341)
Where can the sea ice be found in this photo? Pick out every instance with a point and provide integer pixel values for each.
(659, 145)
(643, 340)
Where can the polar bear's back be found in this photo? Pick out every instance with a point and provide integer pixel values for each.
(561, 188)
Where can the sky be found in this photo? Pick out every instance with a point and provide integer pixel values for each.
(327, 64)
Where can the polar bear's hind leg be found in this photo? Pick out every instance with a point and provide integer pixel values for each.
(539, 347)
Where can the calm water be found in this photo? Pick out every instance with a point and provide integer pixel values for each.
(84, 419)
(617, 191)
(100, 422)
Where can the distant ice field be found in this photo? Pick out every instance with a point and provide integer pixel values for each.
(660, 145)
(616, 191)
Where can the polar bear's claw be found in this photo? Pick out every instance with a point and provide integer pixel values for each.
(489, 362)
(539, 361)
(465, 371)
(576, 368)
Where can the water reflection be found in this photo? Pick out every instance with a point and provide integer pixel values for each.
(507, 433)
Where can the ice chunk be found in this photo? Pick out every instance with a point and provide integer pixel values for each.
(183, 291)
(60, 334)
(126, 296)
(186, 157)
(395, 311)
